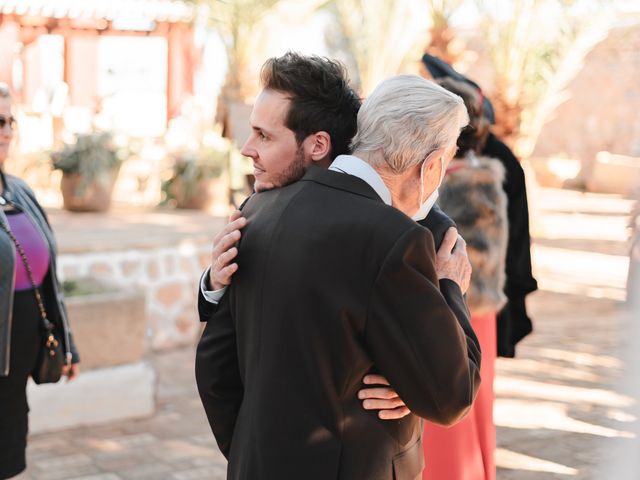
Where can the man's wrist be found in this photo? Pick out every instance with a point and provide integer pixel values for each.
(446, 276)
(214, 286)
(209, 294)
(450, 279)
(209, 280)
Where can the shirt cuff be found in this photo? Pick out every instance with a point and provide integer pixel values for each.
(211, 296)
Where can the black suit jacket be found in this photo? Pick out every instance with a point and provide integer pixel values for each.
(513, 321)
(331, 282)
(437, 222)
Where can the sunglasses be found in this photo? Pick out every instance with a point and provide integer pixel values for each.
(7, 121)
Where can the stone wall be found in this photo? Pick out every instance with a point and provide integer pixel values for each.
(168, 276)
(114, 336)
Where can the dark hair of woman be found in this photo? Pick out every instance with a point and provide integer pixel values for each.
(474, 135)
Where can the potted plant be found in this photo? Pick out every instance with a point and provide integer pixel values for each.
(196, 179)
(89, 170)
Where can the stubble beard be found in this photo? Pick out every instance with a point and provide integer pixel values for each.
(294, 172)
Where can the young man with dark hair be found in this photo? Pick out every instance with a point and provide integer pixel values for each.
(226, 375)
(305, 112)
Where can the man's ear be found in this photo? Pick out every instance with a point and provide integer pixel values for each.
(319, 146)
(432, 163)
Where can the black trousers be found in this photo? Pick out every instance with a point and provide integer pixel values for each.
(25, 343)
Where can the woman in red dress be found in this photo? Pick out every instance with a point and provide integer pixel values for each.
(472, 196)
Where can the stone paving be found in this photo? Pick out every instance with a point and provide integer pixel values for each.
(176, 443)
(561, 407)
(560, 410)
(123, 228)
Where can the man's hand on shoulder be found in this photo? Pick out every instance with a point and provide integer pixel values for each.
(224, 251)
(452, 261)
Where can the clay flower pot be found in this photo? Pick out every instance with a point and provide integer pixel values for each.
(94, 197)
(89, 170)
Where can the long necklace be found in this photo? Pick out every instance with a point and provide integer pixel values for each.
(51, 342)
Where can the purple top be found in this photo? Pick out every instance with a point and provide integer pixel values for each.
(35, 248)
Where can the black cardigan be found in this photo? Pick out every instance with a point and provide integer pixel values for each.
(513, 322)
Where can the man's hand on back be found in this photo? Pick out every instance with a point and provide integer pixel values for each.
(224, 251)
(382, 397)
(452, 261)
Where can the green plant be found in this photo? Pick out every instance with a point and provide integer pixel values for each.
(83, 287)
(192, 167)
(93, 156)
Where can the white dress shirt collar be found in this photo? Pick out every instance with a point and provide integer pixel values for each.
(359, 168)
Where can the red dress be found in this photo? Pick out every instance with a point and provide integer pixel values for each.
(472, 196)
(466, 450)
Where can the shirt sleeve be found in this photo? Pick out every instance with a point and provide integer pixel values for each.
(211, 296)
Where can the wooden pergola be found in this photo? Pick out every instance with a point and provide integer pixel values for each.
(81, 23)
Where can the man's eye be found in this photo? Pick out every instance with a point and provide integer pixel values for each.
(262, 136)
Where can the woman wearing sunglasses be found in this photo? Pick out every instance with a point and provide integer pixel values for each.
(33, 319)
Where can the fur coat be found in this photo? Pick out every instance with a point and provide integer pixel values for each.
(473, 197)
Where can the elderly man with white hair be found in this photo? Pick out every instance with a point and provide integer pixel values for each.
(337, 281)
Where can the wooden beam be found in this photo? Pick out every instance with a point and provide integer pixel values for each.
(28, 35)
(36, 25)
(66, 55)
(170, 55)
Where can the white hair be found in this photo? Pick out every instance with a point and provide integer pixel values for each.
(405, 119)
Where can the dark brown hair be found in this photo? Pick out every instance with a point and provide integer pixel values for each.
(474, 135)
(321, 98)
